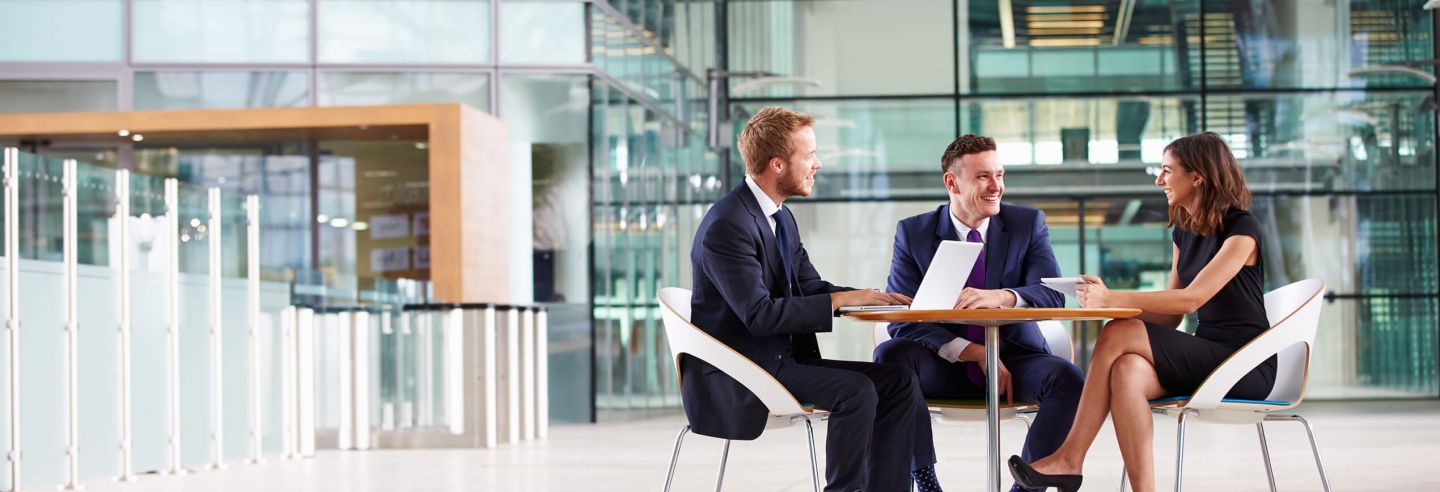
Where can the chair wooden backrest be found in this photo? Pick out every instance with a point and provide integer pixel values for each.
(1294, 315)
(686, 338)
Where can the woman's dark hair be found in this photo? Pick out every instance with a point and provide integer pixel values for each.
(1222, 184)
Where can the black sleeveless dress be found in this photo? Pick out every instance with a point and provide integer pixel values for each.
(1229, 320)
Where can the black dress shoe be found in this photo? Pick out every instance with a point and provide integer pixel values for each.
(1029, 478)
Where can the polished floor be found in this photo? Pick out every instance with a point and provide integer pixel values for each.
(1366, 446)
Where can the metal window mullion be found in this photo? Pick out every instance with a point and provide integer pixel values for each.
(217, 383)
(12, 323)
(122, 214)
(172, 356)
(72, 376)
(252, 248)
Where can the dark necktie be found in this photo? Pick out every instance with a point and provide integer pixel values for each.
(782, 240)
(976, 333)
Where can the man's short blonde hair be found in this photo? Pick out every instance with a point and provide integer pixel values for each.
(767, 135)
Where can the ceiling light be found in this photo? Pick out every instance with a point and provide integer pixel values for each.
(322, 218)
(137, 137)
(360, 225)
(1055, 9)
(339, 222)
(1053, 42)
(1064, 24)
(123, 133)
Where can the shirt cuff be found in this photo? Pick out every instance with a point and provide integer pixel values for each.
(1019, 301)
(951, 350)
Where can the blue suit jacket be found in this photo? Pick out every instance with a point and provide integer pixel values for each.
(1017, 256)
(741, 297)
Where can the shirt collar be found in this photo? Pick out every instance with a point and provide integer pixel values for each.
(962, 230)
(767, 206)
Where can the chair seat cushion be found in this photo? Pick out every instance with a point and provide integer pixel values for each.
(1182, 399)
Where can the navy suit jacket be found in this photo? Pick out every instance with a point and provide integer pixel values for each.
(741, 297)
(1017, 256)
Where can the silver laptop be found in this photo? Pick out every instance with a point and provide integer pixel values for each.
(943, 280)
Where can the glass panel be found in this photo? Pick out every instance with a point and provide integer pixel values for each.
(38, 96)
(1329, 141)
(1078, 48)
(149, 248)
(44, 403)
(196, 401)
(237, 371)
(1381, 347)
(1315, 43)
(373, 88)
(418, 31)
(97, 292)
(1367, 244)
(220, 90)
(542, 33)
(69, 31)
(221, 31)
(374, 210)
(843, 48)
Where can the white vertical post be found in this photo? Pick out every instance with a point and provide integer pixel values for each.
(488, 381)
(425, 370)
(289, 379)
(360, 365)
(387, 332)
(512, 375)
(454, 376)
(72, 314)
(542, 374)
(340, 323)
(12, 323)
(172, 333)
(217, 381)
(527, 374)
(305, 385)
(404, 371)
(122, 236)
(252, 275)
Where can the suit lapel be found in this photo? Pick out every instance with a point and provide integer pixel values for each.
(944, 231)
(771, 252)
(997, 242)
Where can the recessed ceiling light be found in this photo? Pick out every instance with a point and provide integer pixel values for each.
(137, 137)
(123, 133)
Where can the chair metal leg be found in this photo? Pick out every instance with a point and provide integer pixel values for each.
(724, 456)
(675, 457)
(1265, 452)
(814, 470)
(1314, 448)
(1180, 450)
(1124, 479)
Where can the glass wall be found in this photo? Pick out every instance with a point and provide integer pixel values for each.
(1328, 106)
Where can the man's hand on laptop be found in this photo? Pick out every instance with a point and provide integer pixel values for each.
(866, 297)
(983, 299)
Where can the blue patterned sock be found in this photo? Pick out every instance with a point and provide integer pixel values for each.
(925, 480)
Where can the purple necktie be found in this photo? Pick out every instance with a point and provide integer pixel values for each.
(976, 333)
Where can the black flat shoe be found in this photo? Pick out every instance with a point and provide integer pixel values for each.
(1029, 478)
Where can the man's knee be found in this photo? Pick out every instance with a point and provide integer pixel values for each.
(1064, 379)
(900, 351)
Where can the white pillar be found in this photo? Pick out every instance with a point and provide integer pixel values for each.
(252, 274)
(12, 322)
(172, 328)
(72, 314)
(217, 382)
(122, 237)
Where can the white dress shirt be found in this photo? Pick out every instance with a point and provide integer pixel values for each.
(951, 350)
(766, 206)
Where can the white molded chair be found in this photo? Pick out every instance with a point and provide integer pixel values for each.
(686, 338)
(1294, 314)
(946, 411)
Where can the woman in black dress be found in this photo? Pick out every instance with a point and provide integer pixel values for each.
(1217, 273)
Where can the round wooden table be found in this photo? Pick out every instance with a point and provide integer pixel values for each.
(992, 320)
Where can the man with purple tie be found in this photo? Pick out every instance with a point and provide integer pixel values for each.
(949, 360)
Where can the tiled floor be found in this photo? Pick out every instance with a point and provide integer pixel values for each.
(1366, 446)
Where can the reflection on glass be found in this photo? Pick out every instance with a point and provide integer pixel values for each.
(542, 33)
(42, 304)
(72, 31)
(374, 88)
(196, 306)
(420, 31)
(39, 96)
(221, 31)
(149, 246)
(220, 90)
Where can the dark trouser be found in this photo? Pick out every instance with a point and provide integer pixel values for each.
(1048, 380)
(878, 421)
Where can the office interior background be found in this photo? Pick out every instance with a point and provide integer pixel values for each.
(623, 114)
